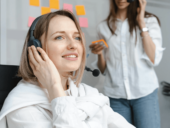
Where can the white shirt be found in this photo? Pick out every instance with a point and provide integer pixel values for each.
(129, 72)
(27, 106)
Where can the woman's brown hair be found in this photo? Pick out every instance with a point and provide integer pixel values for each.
(42, 25)
(131, 15)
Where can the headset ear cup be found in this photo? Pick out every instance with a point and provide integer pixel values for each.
(37, 43)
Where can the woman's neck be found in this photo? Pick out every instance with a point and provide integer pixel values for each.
(64, 79)
(64, 82)
(121, 14)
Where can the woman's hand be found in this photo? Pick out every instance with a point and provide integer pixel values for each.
(97, 48)
(43, 68)
(141, 13)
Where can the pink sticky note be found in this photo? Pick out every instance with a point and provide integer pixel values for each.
(68, 7)
(83, 22)
(30, 20)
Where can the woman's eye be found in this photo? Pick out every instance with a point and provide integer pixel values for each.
(78, 38)
(59, 38)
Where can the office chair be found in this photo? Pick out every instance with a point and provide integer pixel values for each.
(8, 80)
(165, 88)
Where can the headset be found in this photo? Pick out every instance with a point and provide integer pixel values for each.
(32, 40)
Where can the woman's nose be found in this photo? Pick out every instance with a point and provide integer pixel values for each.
(72, 44)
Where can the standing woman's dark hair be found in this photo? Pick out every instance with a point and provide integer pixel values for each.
(131, 15)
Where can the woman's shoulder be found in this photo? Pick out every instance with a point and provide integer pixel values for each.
(103, 30)
(102, 24)
(151, 19)
(28, 114)
(89, 90)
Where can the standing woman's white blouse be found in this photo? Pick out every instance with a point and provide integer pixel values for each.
(27, 106)
(129, 72)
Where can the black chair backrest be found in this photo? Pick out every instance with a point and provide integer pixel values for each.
(8, 80)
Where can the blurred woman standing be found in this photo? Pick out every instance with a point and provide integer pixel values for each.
(135, 48)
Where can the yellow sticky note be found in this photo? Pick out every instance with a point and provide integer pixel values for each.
(80, 10)
(54, 4)
(45, 10)
(34, 2)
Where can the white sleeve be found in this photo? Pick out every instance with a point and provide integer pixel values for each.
(64, 115)
(155, 34)
(115, 120)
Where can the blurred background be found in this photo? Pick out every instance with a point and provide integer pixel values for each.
(17, 15)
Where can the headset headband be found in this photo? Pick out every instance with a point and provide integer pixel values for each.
(33, 27)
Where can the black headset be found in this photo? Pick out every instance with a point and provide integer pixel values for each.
(32, 40)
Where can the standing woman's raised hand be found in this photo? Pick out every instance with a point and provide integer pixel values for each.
(141, 13)
(43, 68)
(97, 48)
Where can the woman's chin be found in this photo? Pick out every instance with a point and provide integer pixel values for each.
(70, 69)
(74, 69)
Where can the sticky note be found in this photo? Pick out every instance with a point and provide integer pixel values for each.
(80, 10)
(45, 10)
(83, 22)
(34, 2)
(30, 20)
(68, 7)
(102, 40)
(54, 4)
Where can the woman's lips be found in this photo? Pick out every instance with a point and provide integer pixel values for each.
(121, 3)
(71, 56)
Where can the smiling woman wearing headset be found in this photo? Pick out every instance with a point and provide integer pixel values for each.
(135, 47)
(50, 94)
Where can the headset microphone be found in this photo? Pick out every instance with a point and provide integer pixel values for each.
(95, 72)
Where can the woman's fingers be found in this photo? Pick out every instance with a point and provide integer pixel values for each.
(92, 45)
(31, 57)
(142, 4)
(97, 50)
(43, 54)
(32, 66)
(36, 54)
